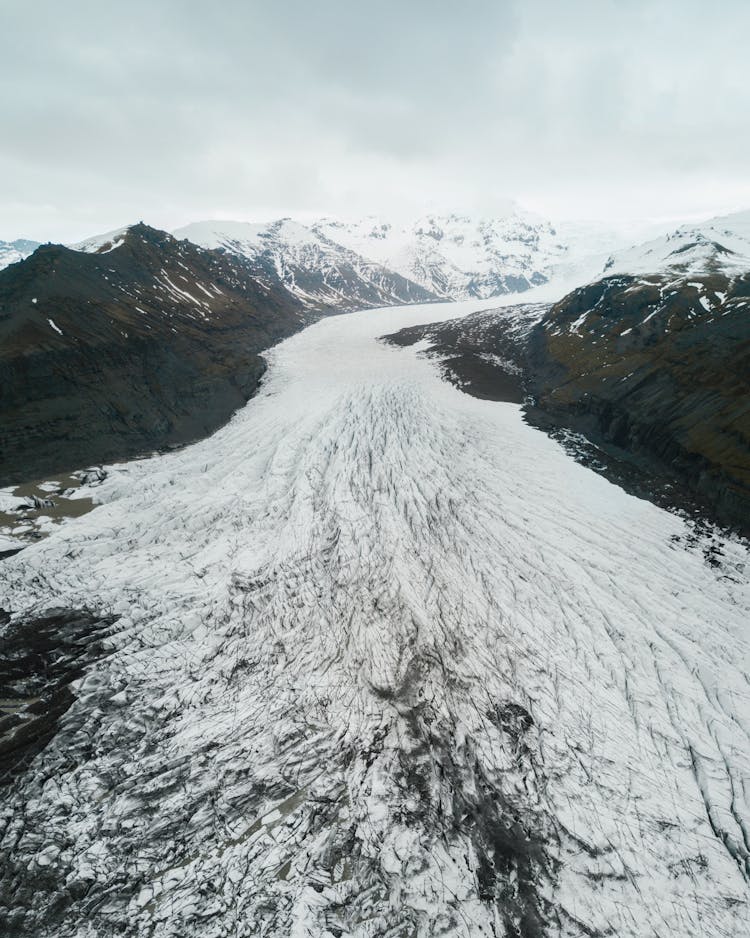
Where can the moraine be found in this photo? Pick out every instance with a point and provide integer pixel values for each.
(383, 660)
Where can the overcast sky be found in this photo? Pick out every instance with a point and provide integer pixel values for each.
(172, 111)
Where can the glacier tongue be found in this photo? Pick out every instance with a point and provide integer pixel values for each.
(388, 662)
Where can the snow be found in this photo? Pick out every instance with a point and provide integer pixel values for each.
(95, 244)
(478, 253)
(453, 256)
(56, 328)
(691, 249)
(318, 271)
(218, 234)
(13, 251)
(456, 255)
(574, 326)
(329, 611)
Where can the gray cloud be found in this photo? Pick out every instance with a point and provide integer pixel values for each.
(177, 110)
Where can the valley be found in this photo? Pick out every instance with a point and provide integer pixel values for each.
(382, 659)
(375, 470)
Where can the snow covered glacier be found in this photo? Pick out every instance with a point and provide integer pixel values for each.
(386, 662)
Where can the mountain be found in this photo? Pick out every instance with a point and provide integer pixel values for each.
(324, 275)
(456, 256)
(335, 264)
(13, 251)
(719, 245)
(105, 355)
(657, 369)
(102, 243)
(483, 354)
(650, 367)
(652, 364)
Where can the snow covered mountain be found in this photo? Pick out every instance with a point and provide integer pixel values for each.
(13, 251)
(323, 274)
(135, 344)
(719, 245)
(650, 364)
(102, 243)
(336, 263)
(459, 256)
(656, 367)
(455, 256)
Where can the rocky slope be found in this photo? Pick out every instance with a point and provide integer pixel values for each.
(657, 368)
(324, 275)
(104, 356)
(653, 371)
(484, 353)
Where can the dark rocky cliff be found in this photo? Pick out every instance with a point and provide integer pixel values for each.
(653, 371)
(105, 356)
(658, 370)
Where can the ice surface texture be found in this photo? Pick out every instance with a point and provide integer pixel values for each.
(387, 662)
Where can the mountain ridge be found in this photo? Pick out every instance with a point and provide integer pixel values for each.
(13, 251)
(323, 275)
(641, 372)
(105, 356)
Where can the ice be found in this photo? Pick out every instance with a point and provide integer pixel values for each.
(469, 685)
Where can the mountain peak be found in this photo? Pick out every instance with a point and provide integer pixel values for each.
(314, 264)
(13, 251)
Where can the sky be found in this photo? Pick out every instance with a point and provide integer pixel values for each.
(171, 111)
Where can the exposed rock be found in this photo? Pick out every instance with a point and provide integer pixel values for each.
(105, 356)
(657, 370)
(651, 374)
(483, 354)
(325, 276)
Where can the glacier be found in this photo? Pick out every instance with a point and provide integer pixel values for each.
(385, 662)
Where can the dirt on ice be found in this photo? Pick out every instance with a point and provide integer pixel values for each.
(386, 662)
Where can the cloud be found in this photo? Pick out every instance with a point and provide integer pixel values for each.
(178, 110)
